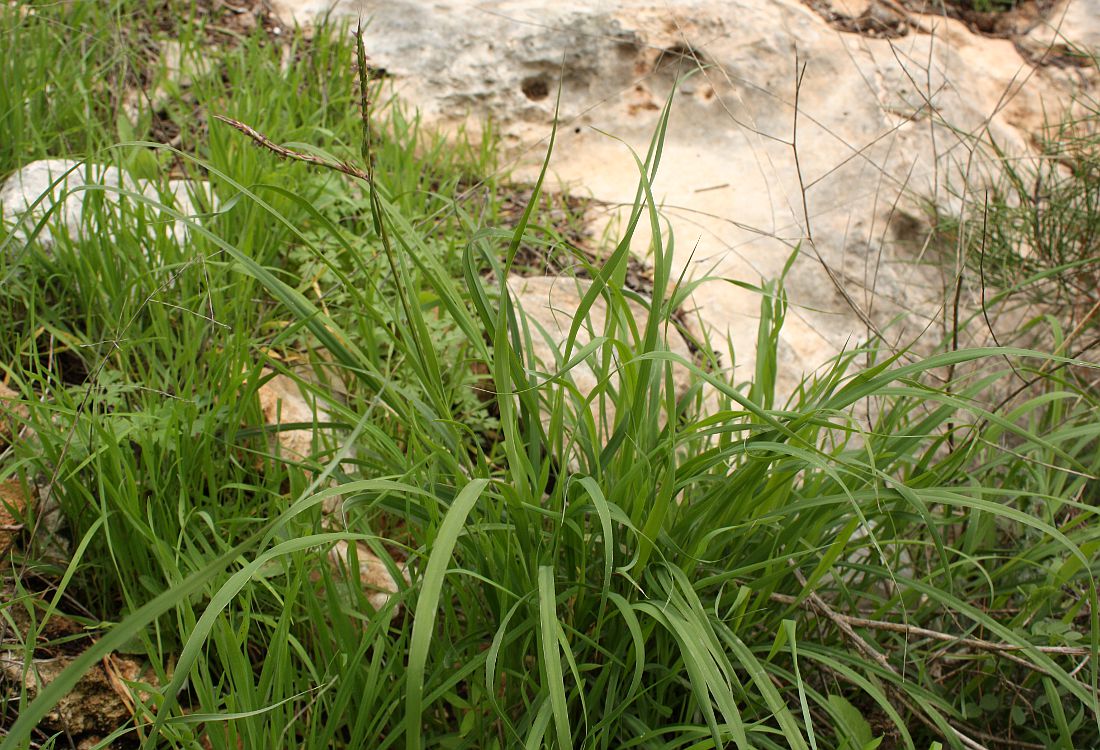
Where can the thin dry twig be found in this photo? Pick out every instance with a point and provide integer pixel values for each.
(898, 627)
(821, 606)
(800, 72)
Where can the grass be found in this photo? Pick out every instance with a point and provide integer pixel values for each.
(1043, 224)
(751, 571)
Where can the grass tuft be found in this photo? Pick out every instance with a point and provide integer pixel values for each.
(725, 567)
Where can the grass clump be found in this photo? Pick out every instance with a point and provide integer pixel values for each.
(725, 567)
(1042, 229)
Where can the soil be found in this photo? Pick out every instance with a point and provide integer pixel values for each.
(890, 19)
(98, 704)
(999, 19)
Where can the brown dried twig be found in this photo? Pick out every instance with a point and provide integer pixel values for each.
(819, 605)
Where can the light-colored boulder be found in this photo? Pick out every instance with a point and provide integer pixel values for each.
(177, 70)
(1069, 27)
(549, 305)
(891, 125)
(184, 68)
(852, 8)
(284, 401)
(59, 187)
(29, 510)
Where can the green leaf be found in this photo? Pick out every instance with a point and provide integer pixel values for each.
(554, 680)
(428, 602)
(851, 724)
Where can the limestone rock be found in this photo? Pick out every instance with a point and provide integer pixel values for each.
(32, 507)
(282, 401)
(13, 509)
(12, 415)
(102, 700)
(59, 187)
(183, 69)
(373, 573)
(888, 130)
(852, 8)
(1070, 29)
(177, 71)
(549, 305)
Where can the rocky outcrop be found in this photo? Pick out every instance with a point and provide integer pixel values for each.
(284, 402)
(897, 115)
(101, 702)
(106, 696)
(376, 579)
(31, 522)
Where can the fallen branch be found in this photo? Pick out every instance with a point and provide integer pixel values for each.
(820, 605)
(897, 627)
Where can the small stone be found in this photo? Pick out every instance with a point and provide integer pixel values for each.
(373, 573)
(850, 8)
(100, 702)
(283, 401)
(94, 705)
(13, 510)
(32, 507)
(184, 69)
(13, 414)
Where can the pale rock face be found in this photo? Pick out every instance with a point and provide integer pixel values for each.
(92, 705)
(31, 507)
(183, 69)
(549, 305)
(852, 8)
(179, 71)
(283, 401)
(101, 701)
(887, 129)
(62, 185)
(1072, 25)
